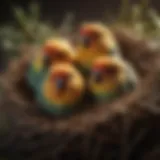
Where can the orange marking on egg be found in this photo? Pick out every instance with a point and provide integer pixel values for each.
(49, 49)
(59, 74)
(99, 67)
(85, 31)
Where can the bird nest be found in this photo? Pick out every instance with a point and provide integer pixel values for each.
(127, 128)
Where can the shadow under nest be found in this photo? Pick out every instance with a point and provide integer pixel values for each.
(126, 129)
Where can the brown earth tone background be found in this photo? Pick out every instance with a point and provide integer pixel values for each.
(56, 9)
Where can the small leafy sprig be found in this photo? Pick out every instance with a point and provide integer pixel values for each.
(29, 29)
(30, 24)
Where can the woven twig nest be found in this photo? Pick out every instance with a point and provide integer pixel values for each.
(125, 129)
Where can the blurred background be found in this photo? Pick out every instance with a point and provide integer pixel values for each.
(21, 23)
(55, 9)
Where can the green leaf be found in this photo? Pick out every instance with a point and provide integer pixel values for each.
(66, 26)
(155, 18)
(136, 14)
(124, 11)
(20, 15)
(34, 11)
(33, 20)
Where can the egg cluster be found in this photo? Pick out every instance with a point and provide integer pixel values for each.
(61, 73)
